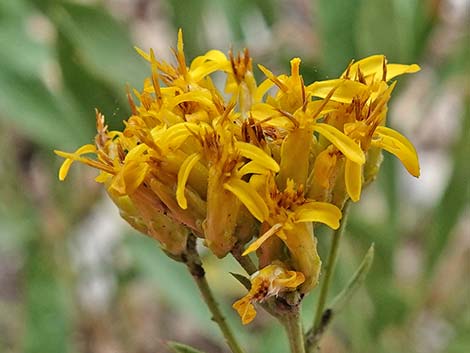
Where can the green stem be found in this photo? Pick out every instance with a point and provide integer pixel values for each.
(194, 265)
(244, 261)
(293, 326)
(329, 269)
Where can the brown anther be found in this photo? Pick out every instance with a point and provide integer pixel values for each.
(131, 101)
(384, 69)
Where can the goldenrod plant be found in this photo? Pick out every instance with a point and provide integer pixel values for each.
(250, 171)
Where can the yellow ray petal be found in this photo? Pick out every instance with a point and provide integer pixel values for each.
(371, 65)
(394, 70)
(323, 212)
(249, 197)
(257, 155)
(175, 136)
(261, 90)
(397, 144)
(130, 177)
(202, 97)
(252, 168)
(71, 157)
(345, 90)
(211, 56)
(353, 179)
(258, 242)
(183, 175)
(245, 309)
(344, 143)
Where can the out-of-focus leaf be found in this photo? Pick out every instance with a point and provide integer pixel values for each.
(189, 16)
(182, 348)
(88, 91)
(28, 104)
(47, 322)
(13, 10)
(102, 43)
(336, 20)
(171, 278)
(458, 63)
(455, 197)
(272, 340)
(386, 27)
(354, 283)
(18, 51)
(388, 178)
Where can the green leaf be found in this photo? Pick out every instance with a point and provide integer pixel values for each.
(47, 322)
(17, 49)
(171, 278)
(356, 281)
(336, 20)
(29, 105)
(386, 27)
(454, 199)
(90, 92)
(102, 43)
(182, 348)
(245, 281)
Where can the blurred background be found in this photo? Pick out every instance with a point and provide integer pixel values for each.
(75, 278)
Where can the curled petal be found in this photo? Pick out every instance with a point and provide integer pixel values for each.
(292, 279)
(257, 155)
(397, 144)
(252, 168)
(323, 212)
(269, 281)
(344, 143)
(183, 175)
(71, 157)
(353, 179)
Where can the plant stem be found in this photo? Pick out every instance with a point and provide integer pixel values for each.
(194, 265)
(330, 265)
(293, 326)
(244, 261)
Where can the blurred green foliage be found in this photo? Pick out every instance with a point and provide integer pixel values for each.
(59, 60)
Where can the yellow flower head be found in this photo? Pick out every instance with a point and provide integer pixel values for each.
(265, 283)
(247, 163)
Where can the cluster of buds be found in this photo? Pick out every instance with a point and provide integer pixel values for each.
(255, 167)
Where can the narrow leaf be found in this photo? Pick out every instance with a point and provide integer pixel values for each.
(245, 281)
(182, 348)
(354, 284)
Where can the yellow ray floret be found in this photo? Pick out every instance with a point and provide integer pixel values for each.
(183, 175)
(344, 143)
(397, 144)
(267, 282)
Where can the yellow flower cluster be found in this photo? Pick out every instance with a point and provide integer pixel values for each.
(261, 161)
